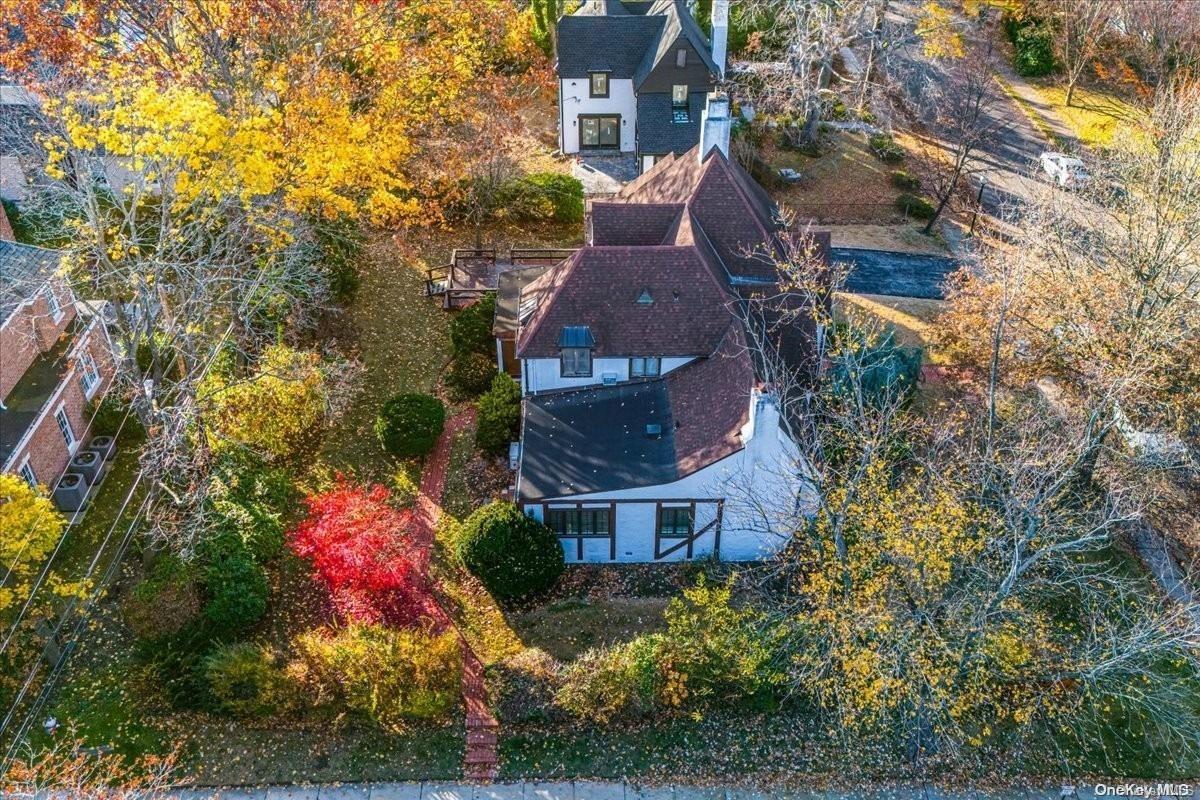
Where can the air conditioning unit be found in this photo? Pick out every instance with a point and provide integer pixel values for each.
(609, 378)
(71, 492)
(89, 464)
(514, 455)
(106, 446)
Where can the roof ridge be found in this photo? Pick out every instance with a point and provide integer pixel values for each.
(709, 158)
(539, 315)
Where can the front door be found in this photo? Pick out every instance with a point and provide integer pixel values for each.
(600, 132)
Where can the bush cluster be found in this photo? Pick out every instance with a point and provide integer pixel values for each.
(470, 375)
(340, 244)
(389, 676)
(544, 195)
(471, 328)
(1033, 45)
(711, 654)
(246, 681)
(902, 180)
(408, 425)
(499, 418)
(885, 148)
(512, 554)
(914, 206)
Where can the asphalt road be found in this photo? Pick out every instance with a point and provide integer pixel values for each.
(895, 274)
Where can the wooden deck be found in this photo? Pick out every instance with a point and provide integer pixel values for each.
(473, 271)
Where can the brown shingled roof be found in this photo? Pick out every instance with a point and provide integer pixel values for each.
(710, 403)
(628, 224)
(736, 215)
(599, 287)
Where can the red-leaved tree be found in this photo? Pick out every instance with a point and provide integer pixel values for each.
(360, 547)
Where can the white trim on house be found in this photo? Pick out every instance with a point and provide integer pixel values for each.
(63, 420)
(545, 374)
(27, 472)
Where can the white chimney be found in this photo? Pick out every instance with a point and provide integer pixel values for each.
(715, 124)
(720, 34)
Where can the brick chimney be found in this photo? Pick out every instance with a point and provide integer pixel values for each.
(715, 125)
(720, 34)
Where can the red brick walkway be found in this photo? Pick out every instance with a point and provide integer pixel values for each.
(482, 759)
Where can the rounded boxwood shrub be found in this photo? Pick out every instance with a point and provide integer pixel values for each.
(235, 585)
(512, 554)
(471, 328)
(408, 425)
(902, 180)
(470, 375)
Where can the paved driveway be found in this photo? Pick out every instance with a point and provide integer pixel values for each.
(897, 274)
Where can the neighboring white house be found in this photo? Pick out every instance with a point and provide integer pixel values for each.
(647, 432)
(634, 79)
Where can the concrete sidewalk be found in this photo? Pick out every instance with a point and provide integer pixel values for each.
(603, 790)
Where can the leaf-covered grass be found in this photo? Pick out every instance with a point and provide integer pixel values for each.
(567, 628)
(1094, 116)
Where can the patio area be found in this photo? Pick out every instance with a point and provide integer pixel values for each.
(604, 174)
(473, 271)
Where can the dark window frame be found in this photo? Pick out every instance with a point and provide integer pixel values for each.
(645, 373)
(575, 372)
(583, 146)
(592, 84)
(676, 529)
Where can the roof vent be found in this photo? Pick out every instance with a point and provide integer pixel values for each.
(654, 431)
(644, 299)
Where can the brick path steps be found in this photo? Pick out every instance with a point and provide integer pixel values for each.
(481, 761)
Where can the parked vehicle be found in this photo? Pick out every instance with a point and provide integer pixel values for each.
(1067, 171)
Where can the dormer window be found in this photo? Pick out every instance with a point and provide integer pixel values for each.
(598, 84)
(575, 351)
(681, 58)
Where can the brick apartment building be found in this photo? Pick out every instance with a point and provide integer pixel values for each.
(55, 362)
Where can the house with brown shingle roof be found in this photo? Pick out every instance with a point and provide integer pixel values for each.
(649, 433)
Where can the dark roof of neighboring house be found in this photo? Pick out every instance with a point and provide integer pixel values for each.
(24, 402)
(658, 132)
(599, 287)
(23, 270)
(677, 22)
(609, 43)
(734, 213)
(595, 440)
(626, 40)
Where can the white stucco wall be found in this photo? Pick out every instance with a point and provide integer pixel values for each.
(574, 100)
(766, 499)
(544, 374)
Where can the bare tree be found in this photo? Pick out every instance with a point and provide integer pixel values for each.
(1079, 29)
(1166, 36)
(813, 34)
(959, 106)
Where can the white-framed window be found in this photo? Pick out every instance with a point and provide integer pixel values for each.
(645, 367)
(64, 426)
(681, 58)
(576, 362)
(26, 472)
(89, 373)
(56, 309)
